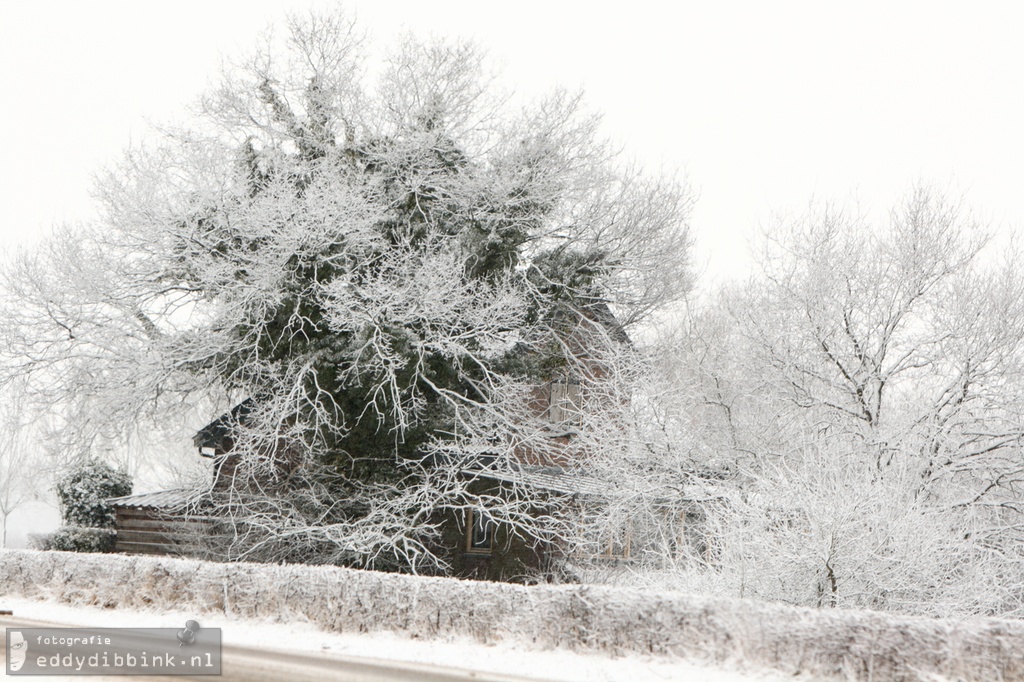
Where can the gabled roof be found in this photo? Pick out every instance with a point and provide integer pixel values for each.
(602, 313)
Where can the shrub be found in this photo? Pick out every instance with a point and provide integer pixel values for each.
(84, 491)
(76, 539)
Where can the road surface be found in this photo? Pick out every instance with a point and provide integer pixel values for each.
(245, 664)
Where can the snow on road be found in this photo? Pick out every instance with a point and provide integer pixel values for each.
(561, 666)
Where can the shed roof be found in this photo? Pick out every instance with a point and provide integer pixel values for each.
(161, 499)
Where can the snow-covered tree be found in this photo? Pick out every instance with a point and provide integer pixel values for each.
(859, 404)
(387, 270)
(21, 471)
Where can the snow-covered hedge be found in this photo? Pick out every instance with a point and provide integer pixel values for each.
(827, 643)
(77, 539)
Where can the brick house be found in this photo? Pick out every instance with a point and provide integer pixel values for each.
(473, 545)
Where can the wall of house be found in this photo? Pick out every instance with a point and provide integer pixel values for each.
(224, 471)
(511, 558)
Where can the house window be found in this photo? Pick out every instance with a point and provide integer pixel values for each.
(564, 401)
(479, 533)
(609, 544)
(619, 543)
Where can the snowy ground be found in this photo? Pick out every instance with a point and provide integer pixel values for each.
(501, 658)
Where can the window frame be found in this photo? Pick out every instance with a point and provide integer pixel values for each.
(564, 401)
(474, 519)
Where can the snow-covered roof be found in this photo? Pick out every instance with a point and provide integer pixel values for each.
(161, 499)
(558, 480)
(545, 478)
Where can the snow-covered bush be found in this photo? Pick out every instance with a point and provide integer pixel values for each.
(76, 539)
(83, 493)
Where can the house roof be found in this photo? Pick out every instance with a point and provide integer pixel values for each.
(161, 499)
(213, 434)
(545, 478)
(558, 480)
(602, 313)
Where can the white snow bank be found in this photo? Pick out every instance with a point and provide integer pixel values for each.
(612, 621)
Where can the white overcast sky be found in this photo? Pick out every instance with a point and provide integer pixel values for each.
(762, 104)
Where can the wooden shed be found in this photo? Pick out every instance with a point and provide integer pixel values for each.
(155, 523)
